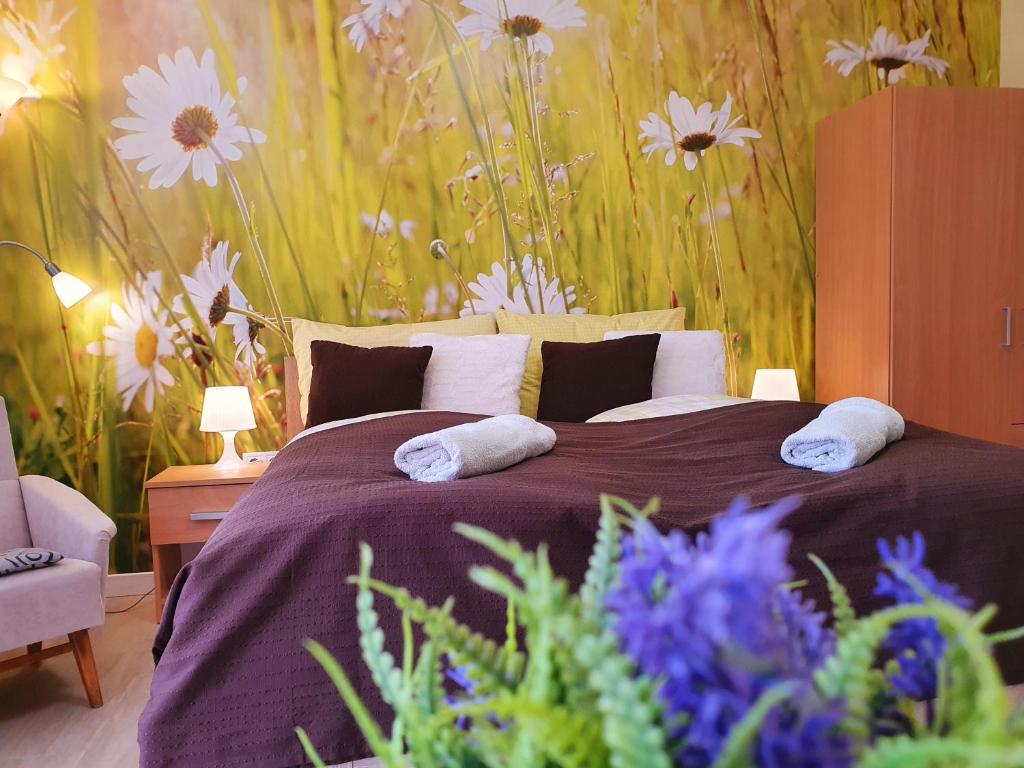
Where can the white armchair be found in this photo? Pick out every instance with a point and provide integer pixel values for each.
(64, 599)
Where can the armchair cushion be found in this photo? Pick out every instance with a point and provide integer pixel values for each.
(62, 519)
(49, 602)
(13, 528)
(27, 559)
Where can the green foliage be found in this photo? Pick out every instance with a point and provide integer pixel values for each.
(843, 616)
(571, 699)
(736, 753)
(601, 567)
(934, 752)
(976, 702)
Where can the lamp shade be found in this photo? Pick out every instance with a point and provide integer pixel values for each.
(775, 384)
(227, 409)
(11, 92)
(70, 290)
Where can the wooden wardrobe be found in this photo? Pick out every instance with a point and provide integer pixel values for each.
(920, 253)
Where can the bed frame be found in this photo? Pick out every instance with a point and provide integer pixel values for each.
(293, 414)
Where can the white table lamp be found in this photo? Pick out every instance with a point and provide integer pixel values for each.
(227, 410)
(775, 384)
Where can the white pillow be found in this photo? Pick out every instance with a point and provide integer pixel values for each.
(674, 405)
(473, 374)
(688, 362)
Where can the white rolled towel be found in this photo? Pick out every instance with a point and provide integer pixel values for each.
(479, 448)
(846, 434)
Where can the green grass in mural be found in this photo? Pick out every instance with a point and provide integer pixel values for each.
(420, 135)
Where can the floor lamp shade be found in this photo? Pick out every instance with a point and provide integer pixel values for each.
(70, 290)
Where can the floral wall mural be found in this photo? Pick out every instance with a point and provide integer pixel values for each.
(214, 168)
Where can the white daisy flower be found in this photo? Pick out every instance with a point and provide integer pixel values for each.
(407, 229)
(492, 292)
(723, 208)
(140, 339)
(181, 112)
(525, 19)
(385, 225)
(386, 313)
(692, 132)
(382, 226)
(38, 41)
(366, 25)
(360, 30)
(886, 53)
(479, 169)
(432, 299)
(212, 289)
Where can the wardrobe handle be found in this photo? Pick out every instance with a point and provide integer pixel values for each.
(1009, 326)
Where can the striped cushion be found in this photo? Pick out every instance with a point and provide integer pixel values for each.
(27, 558)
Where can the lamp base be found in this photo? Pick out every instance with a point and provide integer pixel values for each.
(230, 458)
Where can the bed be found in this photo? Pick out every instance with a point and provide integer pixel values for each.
(232, 679)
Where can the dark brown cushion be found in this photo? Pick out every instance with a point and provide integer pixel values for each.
(353, 381)
(583, 380)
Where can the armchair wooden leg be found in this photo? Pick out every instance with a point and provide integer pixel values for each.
(82, 648)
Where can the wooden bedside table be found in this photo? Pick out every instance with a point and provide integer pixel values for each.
(185, 505)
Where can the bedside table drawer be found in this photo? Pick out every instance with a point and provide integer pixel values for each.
(188, 514)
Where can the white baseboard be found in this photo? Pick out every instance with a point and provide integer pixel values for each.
(123, 584)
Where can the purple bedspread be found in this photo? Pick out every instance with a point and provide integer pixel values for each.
(233, 680)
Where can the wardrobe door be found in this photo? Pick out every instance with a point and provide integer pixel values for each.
(854, 184)
(957, 235)
(1015, 251)
(1017, 380)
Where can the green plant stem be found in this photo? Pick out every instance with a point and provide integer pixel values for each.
(259, 319)
(209, 348)
(406, 109)
(225, 59)
(150, 223)
(165, 252)
(272, 196)
(81, 446)
(49, 429)
(439, 249)
(716, 249)
(254, 241)
(487, 146)
(531, 153)
(542, 186)
(801, 234)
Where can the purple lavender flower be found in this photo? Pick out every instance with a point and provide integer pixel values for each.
(804, 734)
(916, 644)
(465, 693)
(710, 618)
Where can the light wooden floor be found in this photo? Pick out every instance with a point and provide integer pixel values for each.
(45, 719)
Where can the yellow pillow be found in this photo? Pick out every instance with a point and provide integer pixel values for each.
(305, 332)
(579, 328)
